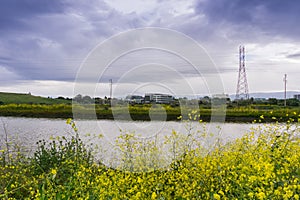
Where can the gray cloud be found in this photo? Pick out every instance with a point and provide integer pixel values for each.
(14, 13)
(295, 55)
(48, 40)
(269, 17)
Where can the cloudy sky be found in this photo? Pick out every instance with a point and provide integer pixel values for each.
(43, 45)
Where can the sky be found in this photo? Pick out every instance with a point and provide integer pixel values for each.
(45, 46)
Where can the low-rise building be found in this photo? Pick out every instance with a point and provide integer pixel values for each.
(158, 98)
(297, 96)
(134, 99)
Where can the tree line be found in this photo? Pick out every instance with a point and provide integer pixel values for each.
(205, 101)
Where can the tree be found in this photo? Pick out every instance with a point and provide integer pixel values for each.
(273, 101)
(293, 102)
(87, 100)
(78, 98)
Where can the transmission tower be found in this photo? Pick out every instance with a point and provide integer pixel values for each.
(242, 91)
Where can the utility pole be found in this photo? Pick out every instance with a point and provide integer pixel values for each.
(242, 91)
(110, 91)
(285, 81)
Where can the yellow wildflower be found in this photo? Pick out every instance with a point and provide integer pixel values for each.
(53, 171)
(261, 196)
(153, 196)
(217, 197)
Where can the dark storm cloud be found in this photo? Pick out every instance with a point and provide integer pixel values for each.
(21, 42)
(269, 17)
(47, 40)
(14, 12)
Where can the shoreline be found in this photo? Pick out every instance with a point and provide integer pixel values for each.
(148, 113)
(145, 118)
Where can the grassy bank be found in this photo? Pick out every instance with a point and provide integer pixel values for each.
(145, 112)
(264, 164)
(17, 98)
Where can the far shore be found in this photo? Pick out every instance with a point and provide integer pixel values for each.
(148, 113)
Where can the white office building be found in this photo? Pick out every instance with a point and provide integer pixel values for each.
(158, 98)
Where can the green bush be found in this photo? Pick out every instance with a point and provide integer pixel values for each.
(65, 155)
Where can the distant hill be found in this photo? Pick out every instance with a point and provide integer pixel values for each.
(7, 98)
(267, 95)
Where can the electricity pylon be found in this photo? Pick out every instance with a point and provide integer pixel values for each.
(242, 91)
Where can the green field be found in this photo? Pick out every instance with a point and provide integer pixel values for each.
(17, 98)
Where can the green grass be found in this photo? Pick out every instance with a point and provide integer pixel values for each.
(16, 98)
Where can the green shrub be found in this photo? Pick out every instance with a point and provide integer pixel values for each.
(64, 155)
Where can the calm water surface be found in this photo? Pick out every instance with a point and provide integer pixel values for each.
(31, 130)
(27, 131)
